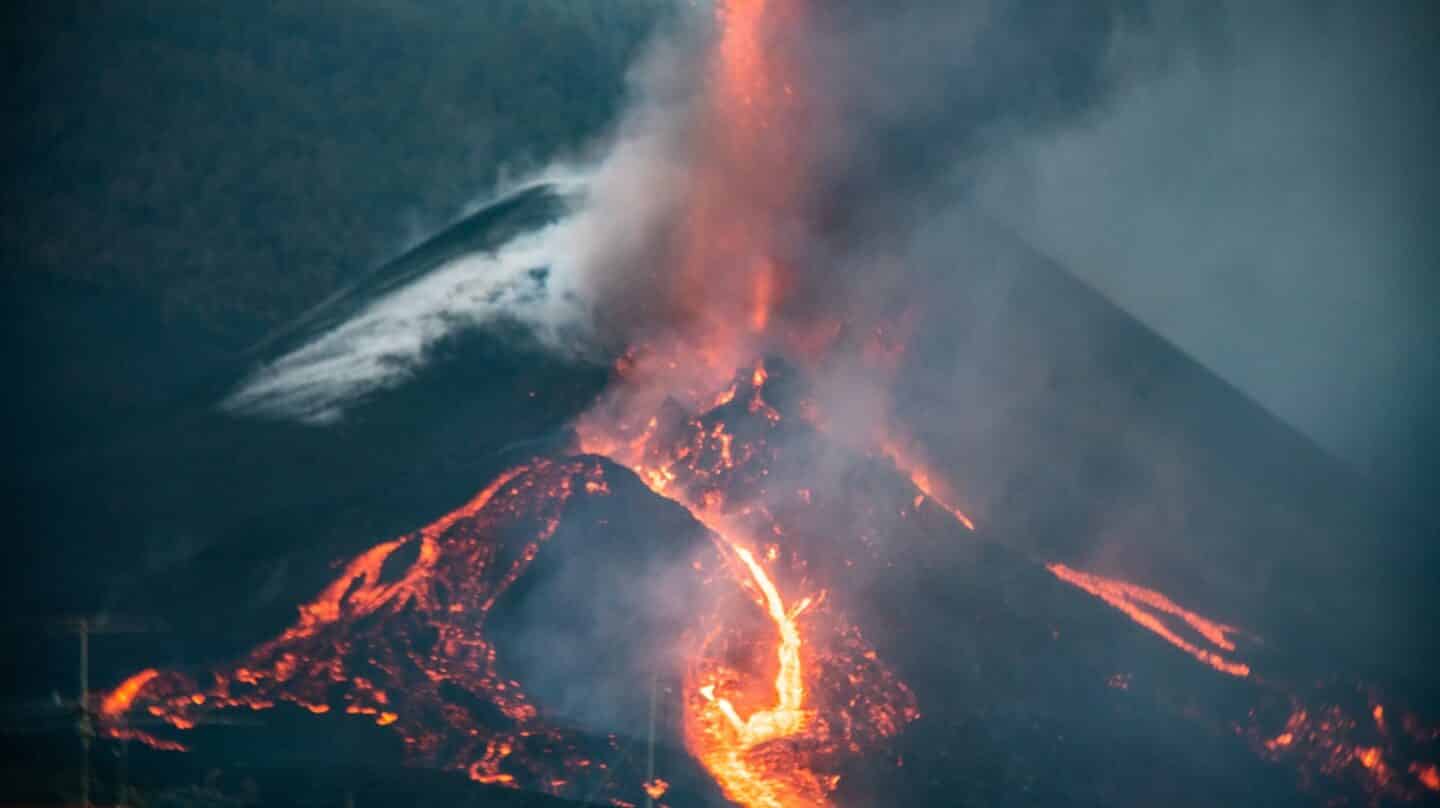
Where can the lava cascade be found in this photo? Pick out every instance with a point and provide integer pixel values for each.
(769, 729)
(399, 637)
(779, 690)
(1149, 608)
(780, 685)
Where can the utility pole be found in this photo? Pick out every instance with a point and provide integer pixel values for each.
(650, 743)
(87, 728)
(82, 710)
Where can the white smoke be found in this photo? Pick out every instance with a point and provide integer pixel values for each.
(549, 281)
(529, 279)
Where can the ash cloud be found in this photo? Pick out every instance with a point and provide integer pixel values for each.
(1260, 197)
(1251, 183)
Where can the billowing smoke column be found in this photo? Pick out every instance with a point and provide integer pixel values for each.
(724, 262)
(729, 257)
(761, 248)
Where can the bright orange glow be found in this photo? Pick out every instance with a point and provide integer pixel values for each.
(778, 688)
(756, 716)
(117, 701)
(1331, 741)
(762, 296)
(920, 476)
(747, 754)
(748, 171)
(726, 739)
(655, 789)
(359, 590)
(1281, 741)
(1145, 607)
(1428, 775)
(460, 565)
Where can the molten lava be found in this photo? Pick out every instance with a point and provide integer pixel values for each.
(780, 687)
(117, 702)
(764, 724)
(922, 478)
(1325, 736)
(399, 637)
(725, 742)
(1148, 608)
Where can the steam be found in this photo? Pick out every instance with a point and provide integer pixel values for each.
(548, 280)
(526, 280)
(952, 150)
(1073, 127)
(939, 176)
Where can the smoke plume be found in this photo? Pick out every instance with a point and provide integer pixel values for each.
(881, 203)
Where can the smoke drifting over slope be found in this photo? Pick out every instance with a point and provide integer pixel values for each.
(785, 231)
(887, 191)
(1250, 183)
(1260, 193)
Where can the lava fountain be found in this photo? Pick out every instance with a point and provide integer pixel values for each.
(779, 686)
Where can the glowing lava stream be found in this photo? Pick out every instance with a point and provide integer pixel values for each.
(727, 761)
(921, 478)
(769, 705)
(1144, 605)
(718, 736)
(786, 718)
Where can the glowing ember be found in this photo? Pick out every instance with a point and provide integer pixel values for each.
(1428, 775)
(118, 701)
(655, 789)
(1146, 607)
(1331, 741)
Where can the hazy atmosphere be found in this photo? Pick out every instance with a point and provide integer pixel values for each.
(751, 402)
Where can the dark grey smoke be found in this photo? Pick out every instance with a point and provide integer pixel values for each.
(1254, 182)
(1264, 197)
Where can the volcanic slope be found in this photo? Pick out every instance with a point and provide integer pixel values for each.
(553, 598)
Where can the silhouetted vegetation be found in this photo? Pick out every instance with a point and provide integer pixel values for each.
(232, 162)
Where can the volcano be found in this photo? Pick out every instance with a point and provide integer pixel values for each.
(771, 543)
(952, 643)
(512, 638)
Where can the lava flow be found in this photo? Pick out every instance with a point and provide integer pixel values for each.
(1148, 608)
(725, 746)
(1347, 733)
(768, 718)
(749, 171)
(399, 637)
(923, 479)
(777, 690)
(780, 687)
